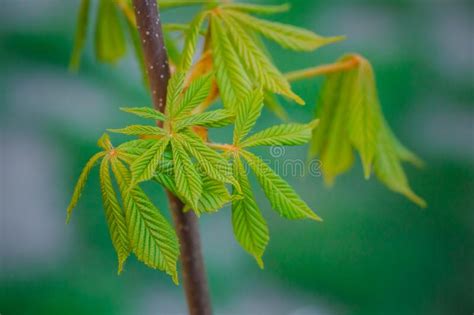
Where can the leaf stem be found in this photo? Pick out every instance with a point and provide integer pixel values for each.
(323, 69)
(158, 71)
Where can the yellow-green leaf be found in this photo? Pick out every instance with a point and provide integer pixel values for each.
(250, 228)
(281, 195)
(114, 215)
(152, 238)
(81, 34)
(110, 42)
(81, 182)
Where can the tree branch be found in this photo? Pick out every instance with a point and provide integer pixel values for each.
(158, 71)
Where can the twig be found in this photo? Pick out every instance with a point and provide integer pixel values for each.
(323, 69)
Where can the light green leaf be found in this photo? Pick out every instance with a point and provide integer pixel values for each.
(152, 238)
(195, 94)
(231, 76)
(256, 62)
(136, 147)
(330, 139)
(287, 36)
(188, 180)
(129, 151)
(212, 163)
(213, 197)
(104, 142)
(250, 228)
(139, 130)
(351, 118)
(144, 112)
(364, 113)
(81, 34)
(144, 167)
(190, 42)
(279, 135)
(256, 8)
(175, 88)
(114, 215)
(248, 111)
(281, 195)
(389, 169)
(81, 183)
(213, 119)
(110, 43)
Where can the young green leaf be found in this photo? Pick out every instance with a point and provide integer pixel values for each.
(280, 194)
(104, 142)
(139, 130)
(256, 62)
(144, 112)
(188, 181)
(389, 169)
(211, 162)
(351, 118)
(364, 113)
(250, 228)
(230, 74)
(280, 135)
(131, 150)
(136, 147)
(81, 182)
(287, 36)
(114, 215)
(190, 42)
(110, 42)
(213, 119)
(195, 94)
(144, 167)
(152, 238)
(248, 111)
(256, 8)
(81, 33)
(213, 197)
(331, 140)
(175, 88)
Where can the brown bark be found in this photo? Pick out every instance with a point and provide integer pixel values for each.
(158, 71)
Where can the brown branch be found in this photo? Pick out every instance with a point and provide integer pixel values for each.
(156, 60)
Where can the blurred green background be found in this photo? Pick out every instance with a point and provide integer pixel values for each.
(375, 253)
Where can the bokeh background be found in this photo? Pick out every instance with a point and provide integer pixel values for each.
(376, 253)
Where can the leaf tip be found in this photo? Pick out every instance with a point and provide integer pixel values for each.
(68, 216)
(314, 123)
(315, 217)
(259, 262)
(334, 39)
(298, 99)
(174, 277)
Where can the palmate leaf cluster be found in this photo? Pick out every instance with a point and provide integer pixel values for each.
(196, 171)
(135, 224)
(174, 152)
(351, 119)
